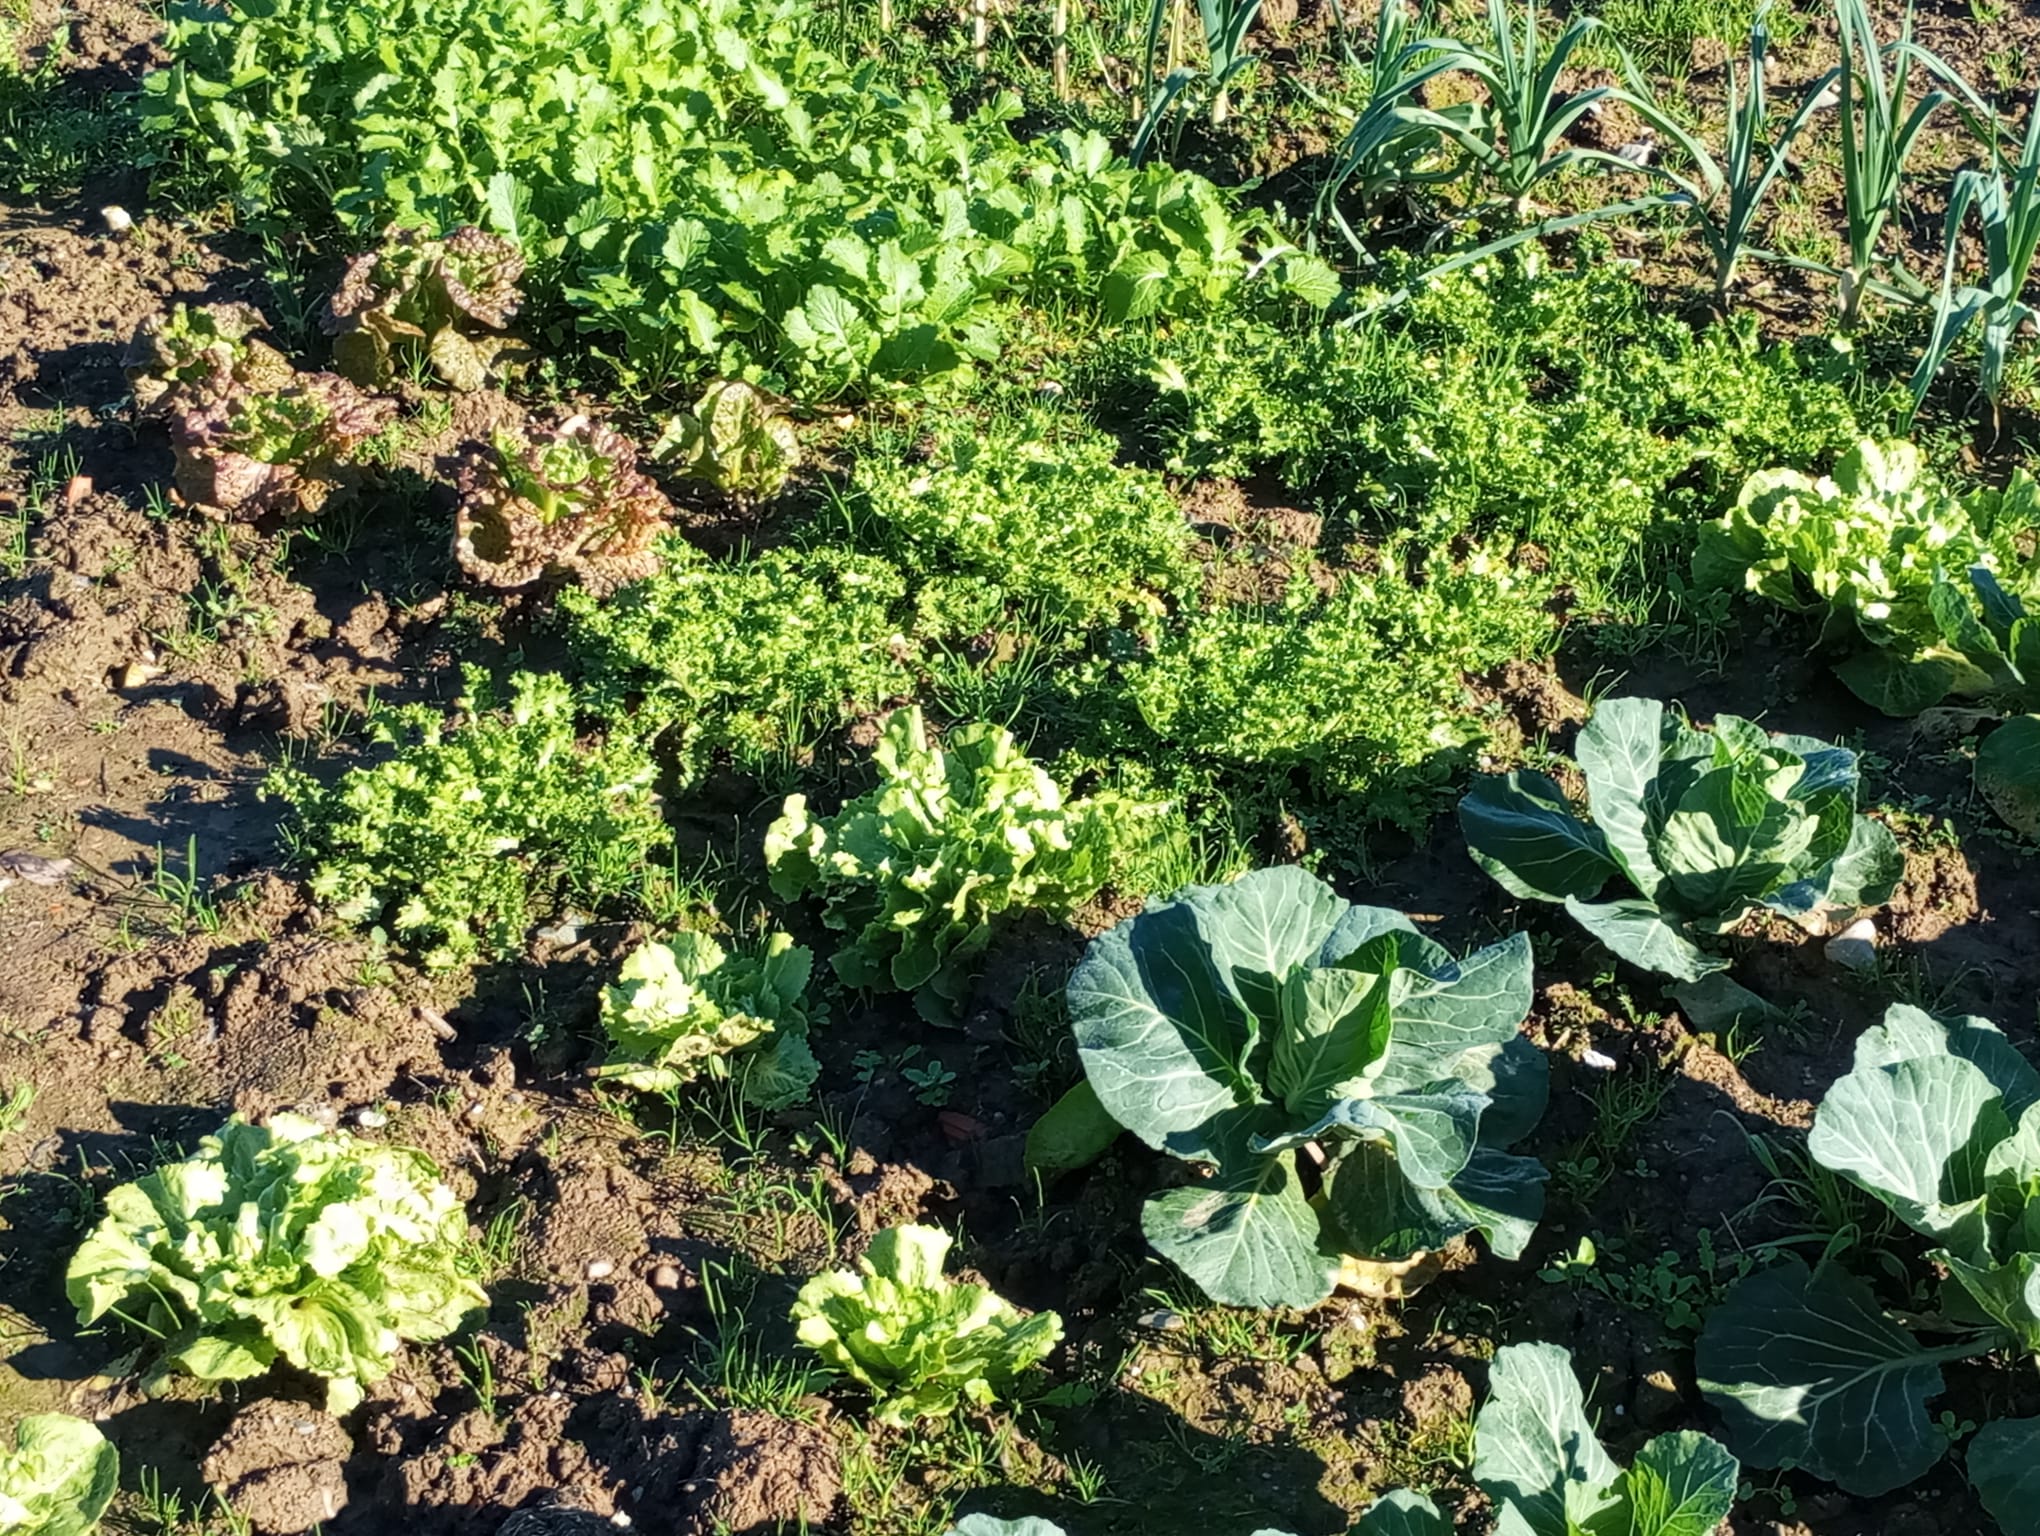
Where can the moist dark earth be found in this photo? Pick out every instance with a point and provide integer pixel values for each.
(153, 666)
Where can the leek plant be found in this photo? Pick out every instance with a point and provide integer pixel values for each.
(1722, 198)
(2007, 210)
(1516, 140)
(1878, 134)
(1225, 24)
(1385, 148)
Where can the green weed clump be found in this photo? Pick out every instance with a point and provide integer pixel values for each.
(1506, 401)
(1035, 511)
(748, 657)
(477, 822)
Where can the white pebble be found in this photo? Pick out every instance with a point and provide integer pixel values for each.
(1855, 947)
(600, 1269)
(371, 1119)
(1597, 1061)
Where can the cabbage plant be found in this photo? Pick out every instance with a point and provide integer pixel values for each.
(1544, 1472)
(1536, 1457)
(282, 1240)
(1347, 1086)
(684, 1008)
(58, 1479)
(954, 836)
(920, 1343)
(1936, 1119)
(1701, 827)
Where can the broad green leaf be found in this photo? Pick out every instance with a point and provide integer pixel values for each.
(2008, 772)
(1402, 1513)
(2008, 1293)
(991, 1525)
(1461, 1005)
(1898, 684)
(1866, 871)
(1261, 926)
(1162, 1038)
(2004, 1465)
(1247, 1236)
(1433, 1133)
(1618, 751)
(1520, 829)
(1917, 1135)
(1334, 1028)
(1384, 1215)
(1646, 938)
(1680, 1484)
(1716, 1004)
(1516, 1077)
(1534, 1448)
(1805, 1368)
(1074, 1133)
(1729, 840)
(1908, 1033)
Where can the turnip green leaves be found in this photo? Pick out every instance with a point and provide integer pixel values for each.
(58, 1479)
(1271, 1033)
(282, 1240)
(1937, 1120)
(1701, 826)
(923, 1344)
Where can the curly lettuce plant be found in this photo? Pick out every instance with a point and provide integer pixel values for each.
(560, 501)
(1866, 549)
(1347, 1087)
(685, 1007)
(282, 1240)
(1703, 827)
(289, 451)
(920, 1343)
(435, 300)
(192, 352)
(58, 1479)
(737, 439)
(955, 835)
(1809, 1367)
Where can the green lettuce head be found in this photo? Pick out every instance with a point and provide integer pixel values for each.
(283, 1239)
(686, 1008)
(58, 1479)
(922, 1344)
